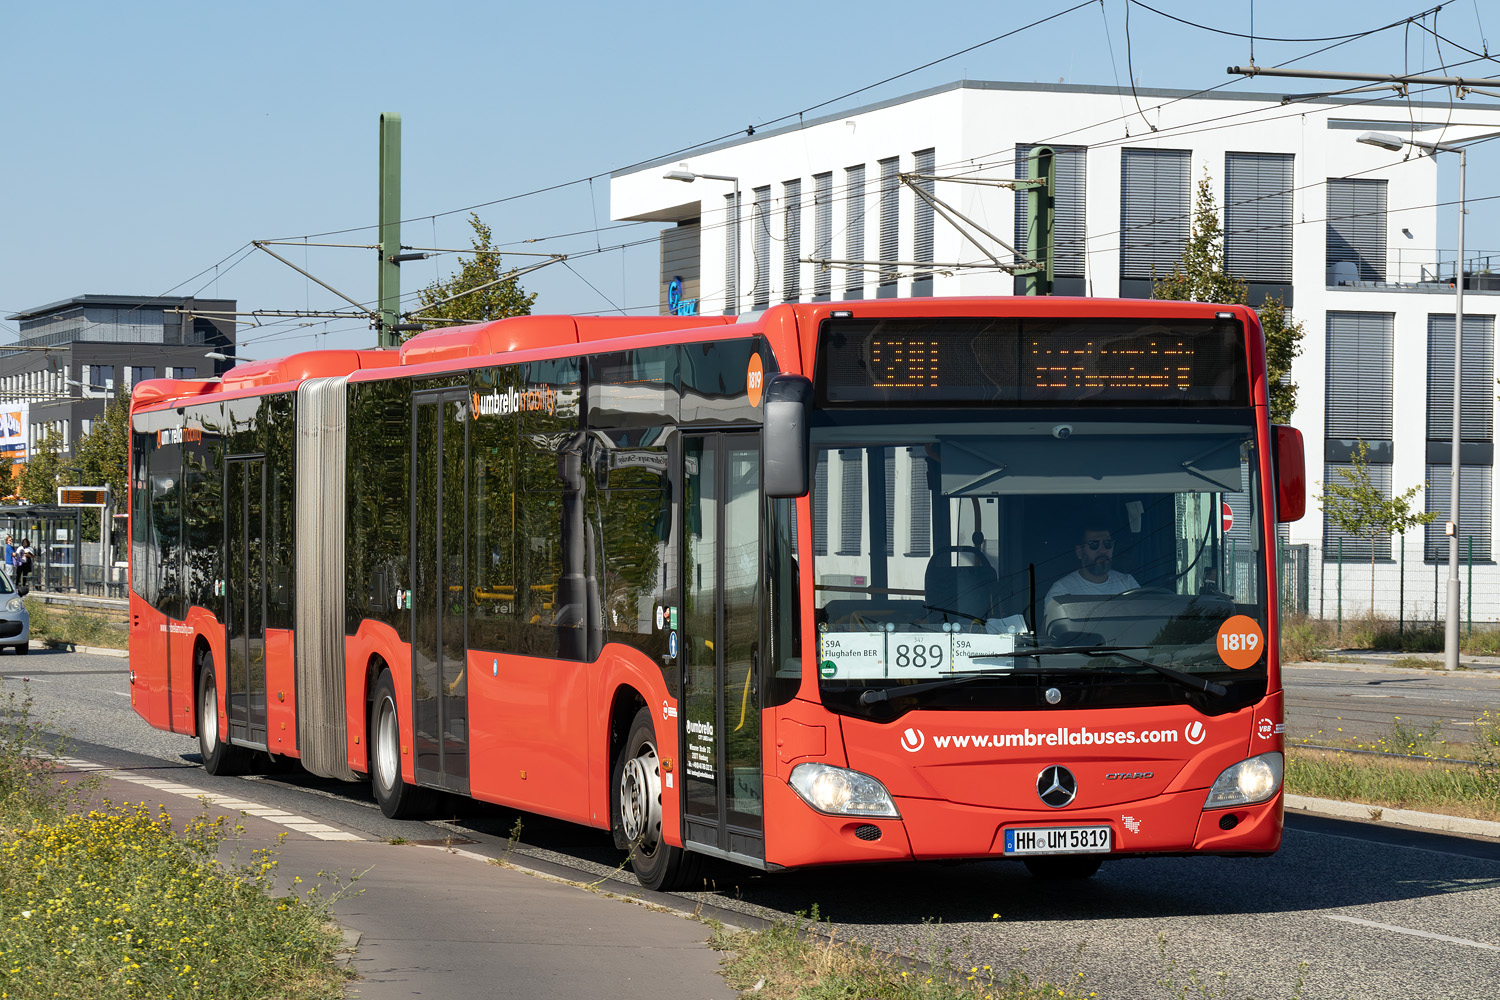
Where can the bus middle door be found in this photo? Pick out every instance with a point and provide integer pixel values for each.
(439, 606)
(721, 704)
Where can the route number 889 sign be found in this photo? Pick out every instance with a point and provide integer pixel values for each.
(915, 654)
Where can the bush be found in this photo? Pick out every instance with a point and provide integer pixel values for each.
(114, 904)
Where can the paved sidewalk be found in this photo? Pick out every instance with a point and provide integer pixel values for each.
(442, 922)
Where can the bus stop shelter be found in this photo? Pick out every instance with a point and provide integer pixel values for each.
(55, 532)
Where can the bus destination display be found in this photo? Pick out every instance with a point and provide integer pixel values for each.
(1038, 361)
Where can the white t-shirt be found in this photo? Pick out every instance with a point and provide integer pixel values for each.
(1076, 583)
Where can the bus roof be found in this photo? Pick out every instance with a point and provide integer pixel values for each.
(791, 329)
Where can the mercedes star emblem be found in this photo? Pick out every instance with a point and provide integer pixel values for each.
(1056, 786)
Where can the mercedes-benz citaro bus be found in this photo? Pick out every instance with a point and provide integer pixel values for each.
(844, 582)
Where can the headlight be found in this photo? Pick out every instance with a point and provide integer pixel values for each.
(1246, 783)
(842, 792)
(14, 604)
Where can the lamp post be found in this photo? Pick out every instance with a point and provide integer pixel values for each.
(1396, 144)
(687, 177)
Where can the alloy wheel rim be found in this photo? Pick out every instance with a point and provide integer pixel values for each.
(210, 714)
(640, 799)
(385, 751)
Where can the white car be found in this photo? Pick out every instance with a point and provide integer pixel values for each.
(15, 620)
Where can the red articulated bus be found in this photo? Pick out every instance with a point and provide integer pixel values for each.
(842, 582)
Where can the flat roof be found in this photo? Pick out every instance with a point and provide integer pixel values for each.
(131, 301)
(1053, 88)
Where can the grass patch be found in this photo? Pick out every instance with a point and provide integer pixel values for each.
(802, 959)
(114, 903)
(1393, 782)
(76, 627)
(1304, 638)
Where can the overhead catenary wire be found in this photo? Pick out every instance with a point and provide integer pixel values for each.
(600, 248)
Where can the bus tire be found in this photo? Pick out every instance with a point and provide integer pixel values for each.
(1064, 867)
(397, 799)
(636, 807)
(220, 757)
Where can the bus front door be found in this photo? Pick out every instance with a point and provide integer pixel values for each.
(440, 713)
(245, 601)
(720, 659)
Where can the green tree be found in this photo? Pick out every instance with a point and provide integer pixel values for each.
(1283, 343)
(102, 455)
(1200, 276)
(485, 291)
(1359, 507)
(39, 481)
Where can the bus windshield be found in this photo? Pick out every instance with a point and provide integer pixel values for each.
(1017, 555)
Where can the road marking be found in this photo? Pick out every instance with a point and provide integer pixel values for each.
(280, 817)
(1413, 933)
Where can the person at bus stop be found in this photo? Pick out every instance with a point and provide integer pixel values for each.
(10, 557)
(1095, 574)
(23, 562)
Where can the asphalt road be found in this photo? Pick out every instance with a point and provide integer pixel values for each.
(1349, 910)
(1359, 703)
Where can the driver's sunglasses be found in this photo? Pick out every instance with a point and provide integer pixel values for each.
(1093, 544)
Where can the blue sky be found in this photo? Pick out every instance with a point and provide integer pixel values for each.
(144, 144)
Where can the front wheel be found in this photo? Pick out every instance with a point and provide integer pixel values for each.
(397, 799)
(219, 756)
(637, 813)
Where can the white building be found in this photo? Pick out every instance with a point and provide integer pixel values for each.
(1346, 233)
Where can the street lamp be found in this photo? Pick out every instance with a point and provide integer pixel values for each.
(1395, 144)
(687, 177)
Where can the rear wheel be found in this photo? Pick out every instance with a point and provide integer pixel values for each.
(637, 813)
(1064, 867)
(23, 649)
(219, 756)
(397, 799)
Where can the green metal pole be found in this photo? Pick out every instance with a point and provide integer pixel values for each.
(389, 283)
(1040, 216)
(1401, 601)
(1341, 589)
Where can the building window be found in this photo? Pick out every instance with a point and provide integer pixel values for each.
(1356, 230)
(1358, 408)
(791, 267)
(922, 222)
(731, 255)
(760, 220)
(1155, 210)
(854, 232)
(919, 503)
(890, 226)
(1069, 216)
(187, 372)
(141, 374)
(851, 500)
(1258, 222)
(1476, 435)
(822, 236)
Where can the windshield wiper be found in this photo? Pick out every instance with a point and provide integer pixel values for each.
(1187, 680)
(874, 696)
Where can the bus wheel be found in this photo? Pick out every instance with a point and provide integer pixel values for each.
(637, 813)
(219, 756)
(397, 799)
(1065, 866)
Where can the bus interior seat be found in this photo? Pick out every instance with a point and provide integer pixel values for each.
(961, 580)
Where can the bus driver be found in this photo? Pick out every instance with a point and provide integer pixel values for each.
(1094, 575)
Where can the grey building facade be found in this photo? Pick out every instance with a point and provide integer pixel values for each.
(74, 355)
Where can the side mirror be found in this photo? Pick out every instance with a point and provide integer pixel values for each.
(786, 448)
(1291, 473)
(22, 590)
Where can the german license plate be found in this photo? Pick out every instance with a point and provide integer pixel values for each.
(1057, 840)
